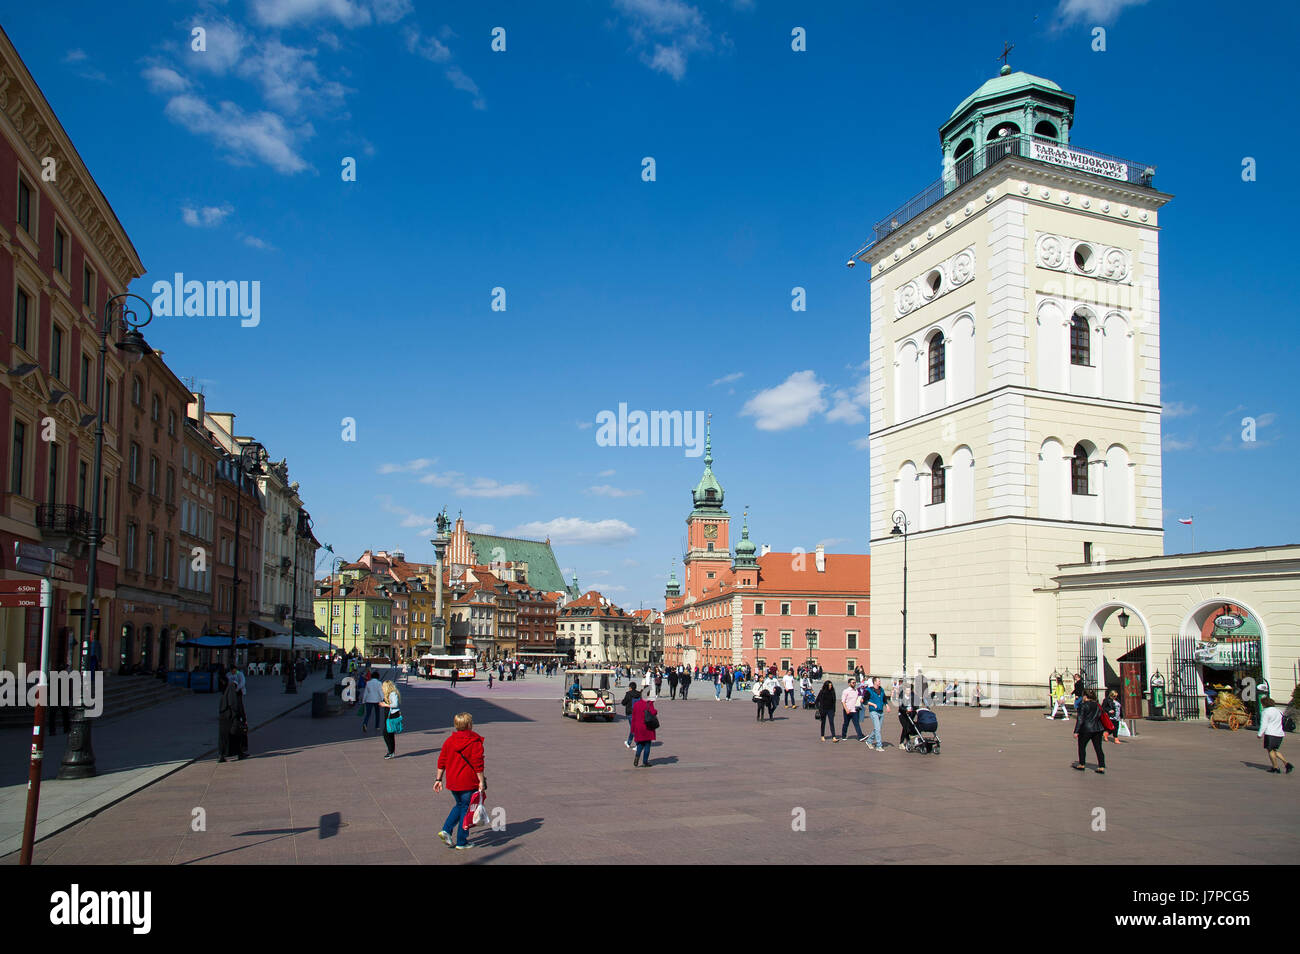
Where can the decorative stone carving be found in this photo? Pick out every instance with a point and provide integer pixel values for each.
(954, 272)
(1056, 252)
(1051, 251)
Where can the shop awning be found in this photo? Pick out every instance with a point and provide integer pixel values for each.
(216, 642)
(270, 627)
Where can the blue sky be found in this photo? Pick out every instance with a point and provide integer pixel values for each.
(522, 170)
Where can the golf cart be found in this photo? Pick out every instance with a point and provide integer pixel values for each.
(587, 694)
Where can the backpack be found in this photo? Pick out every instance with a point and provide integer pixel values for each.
(649, 719)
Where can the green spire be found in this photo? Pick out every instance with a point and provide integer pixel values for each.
(673, 588)
(745, 549)
(707, 495)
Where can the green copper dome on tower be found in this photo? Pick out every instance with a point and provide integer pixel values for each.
(745, 549)
(673, 588)
(707, 494)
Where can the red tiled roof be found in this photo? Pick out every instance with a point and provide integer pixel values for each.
(797, 573)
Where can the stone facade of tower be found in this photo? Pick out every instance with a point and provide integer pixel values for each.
(1015, 387)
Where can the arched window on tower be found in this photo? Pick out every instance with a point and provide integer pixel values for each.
(1080, 341)
(938, 481)
(936, 357)
(1079, 471)
(1045, 129)
(963, 158)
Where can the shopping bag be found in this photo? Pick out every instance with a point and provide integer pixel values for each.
(475, 814)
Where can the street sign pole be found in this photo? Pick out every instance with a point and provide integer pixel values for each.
(38, 732)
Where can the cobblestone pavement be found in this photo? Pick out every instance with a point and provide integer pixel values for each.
(722, 788)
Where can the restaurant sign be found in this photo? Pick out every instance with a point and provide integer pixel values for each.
(1228, 621)
(1060, 156)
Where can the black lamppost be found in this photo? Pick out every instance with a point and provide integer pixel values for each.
(329, 666)
(303, 520)
(901, 523)
(247, 463)
(79, 757)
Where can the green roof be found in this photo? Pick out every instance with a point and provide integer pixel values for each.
(543, 570)
(1004, 86)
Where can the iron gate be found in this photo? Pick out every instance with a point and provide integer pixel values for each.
(1185, 699)
(1088, 662)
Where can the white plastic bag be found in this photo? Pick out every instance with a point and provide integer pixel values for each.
(1124, 730)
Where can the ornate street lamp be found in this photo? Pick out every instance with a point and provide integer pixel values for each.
(901, 524)
(303, 523)
(79, 757)
(329, 666)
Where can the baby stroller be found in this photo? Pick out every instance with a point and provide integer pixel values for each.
(922, 731)
(809, 699)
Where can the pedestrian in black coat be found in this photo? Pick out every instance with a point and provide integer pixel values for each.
(232, 724)
(1088, 728)
(672, 683)
(826, 703)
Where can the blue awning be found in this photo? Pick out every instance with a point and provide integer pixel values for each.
(216, 642)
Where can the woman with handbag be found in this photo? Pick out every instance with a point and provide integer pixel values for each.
(391, 703)
(462, 763)
(1089, 725)
(1114, 712)
(645, 719)
(232, 723)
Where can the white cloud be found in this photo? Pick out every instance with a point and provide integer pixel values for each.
(483, 487)
(473, 527)
(282, 13)
(1093, 11)
(466, 85)
(850, 405)
(252, 241)
(426, 47)
(576, 531)
(862, 443)
(605, 490)
(585, 425)
(606, 473)
(1170, 443)
(410, 467)
(74, 56)
(674, 30)
(162, 79)
(223, 43)
(1264, 420)
(445, 479)
(728, 378)
(1177, 409)
(290, 79)
(790, 404)
(244, 137)
(206, 217)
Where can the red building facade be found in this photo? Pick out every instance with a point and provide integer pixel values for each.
(781, 609)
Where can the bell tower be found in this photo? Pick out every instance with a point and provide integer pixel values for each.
(708, 551)
(1015, 386)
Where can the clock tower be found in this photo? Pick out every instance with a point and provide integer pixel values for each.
(708, 551)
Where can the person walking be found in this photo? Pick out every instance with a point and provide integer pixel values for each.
(850, 702)
(685, 682)
(455, 674)
(787, 687)
(1088, 728)
(877, 706)
(673, 678)
(717, 685)
(826, 711)
(645, 720)
(728, 678)
(463, 766)
(762, 698)
(232, 723)
(1272, 731)
(391, 707)
(629, 701)
(773, 688)
(373, 696)
(659, 682)
(1113, 709)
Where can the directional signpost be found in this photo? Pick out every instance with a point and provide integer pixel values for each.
(18, 594)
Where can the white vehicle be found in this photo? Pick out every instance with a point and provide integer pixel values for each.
(442, 667)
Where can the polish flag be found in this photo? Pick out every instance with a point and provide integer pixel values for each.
(1188, 521)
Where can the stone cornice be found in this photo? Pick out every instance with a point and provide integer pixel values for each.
(33, 123)
(975, 193)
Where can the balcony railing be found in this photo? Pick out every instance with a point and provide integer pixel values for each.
(1034, 148)
(66, 521)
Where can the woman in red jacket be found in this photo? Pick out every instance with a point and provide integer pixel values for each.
(460, 762)
(643, 736)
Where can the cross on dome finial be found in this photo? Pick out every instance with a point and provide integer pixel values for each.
(1004, 57)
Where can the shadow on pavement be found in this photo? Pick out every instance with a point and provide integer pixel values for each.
(513, 830)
